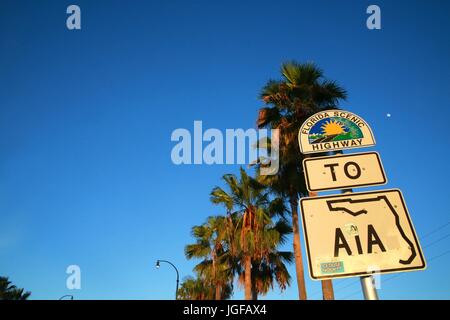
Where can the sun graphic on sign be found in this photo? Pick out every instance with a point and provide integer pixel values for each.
(332, 128)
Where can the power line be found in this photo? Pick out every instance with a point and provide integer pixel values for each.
(436, 241)
(338, 287)
(440, 255)
(435, 230)
(429, 260)
(400, 274)
(428, 245)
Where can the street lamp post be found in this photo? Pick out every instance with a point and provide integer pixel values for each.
(178, 275)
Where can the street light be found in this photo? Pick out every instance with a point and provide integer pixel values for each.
(67, 295)
(178, 275)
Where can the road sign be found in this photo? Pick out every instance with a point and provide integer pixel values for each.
(343, 171)
(334, 130)
(358, 234)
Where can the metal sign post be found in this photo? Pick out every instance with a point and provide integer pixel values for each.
(368, 288)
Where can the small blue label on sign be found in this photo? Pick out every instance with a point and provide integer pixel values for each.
(332, 267)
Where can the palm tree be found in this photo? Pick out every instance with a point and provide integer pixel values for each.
(194, 289)
(11, 292)
(300, 93)
(211, 245)
(267, 272)
(254, 237)
(198, 288)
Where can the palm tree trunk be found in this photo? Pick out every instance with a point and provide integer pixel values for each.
(327, 290)
(297, 249)
(327, 285)
(248, 278)
(218, 292)
(217, 287)
(254, 294)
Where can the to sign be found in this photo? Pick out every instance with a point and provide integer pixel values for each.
(334, 130)
(343, 171)
(359, 234)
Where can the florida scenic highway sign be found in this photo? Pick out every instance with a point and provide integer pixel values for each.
(358, 234)
(334, 130)
(352, 234)
(343, 171)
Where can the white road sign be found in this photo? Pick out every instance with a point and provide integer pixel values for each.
(343, 171)
(358, 234)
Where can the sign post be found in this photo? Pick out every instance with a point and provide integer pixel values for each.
(352, 234)
(368, 287)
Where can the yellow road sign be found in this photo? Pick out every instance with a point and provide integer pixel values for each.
(359, 234)
(343, 171)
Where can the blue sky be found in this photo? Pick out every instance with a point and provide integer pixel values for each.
(86, 117)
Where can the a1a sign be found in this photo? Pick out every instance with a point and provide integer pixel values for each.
(343, 171)
(358, 234)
